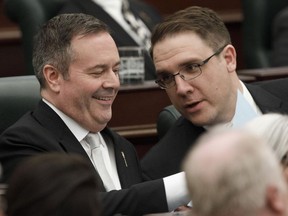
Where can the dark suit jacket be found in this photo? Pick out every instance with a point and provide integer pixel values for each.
(140, 9)
(43, 131)
(165, 158)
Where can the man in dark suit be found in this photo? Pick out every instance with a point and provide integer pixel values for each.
(77, 65)
(110, 13)
(196, 65)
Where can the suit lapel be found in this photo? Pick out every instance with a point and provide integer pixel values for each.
(126, 173)
(58, 129)
(266, 101)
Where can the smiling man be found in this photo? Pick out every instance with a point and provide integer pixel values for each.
(77, 64)
(196, 65)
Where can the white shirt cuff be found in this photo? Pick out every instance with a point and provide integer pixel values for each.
(176, 190)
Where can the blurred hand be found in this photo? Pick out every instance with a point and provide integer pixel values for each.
(183, 208)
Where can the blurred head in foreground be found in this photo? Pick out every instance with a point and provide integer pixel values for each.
(53, 184)
(235, 173)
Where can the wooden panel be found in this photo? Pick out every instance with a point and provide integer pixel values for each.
(11, 58)
(4, 20)
(137, 104)
(170, 6)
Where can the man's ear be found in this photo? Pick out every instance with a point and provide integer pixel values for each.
(52, 77)
(230, 58)
(275, 200)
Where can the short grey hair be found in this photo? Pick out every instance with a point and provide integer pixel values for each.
(238, 185)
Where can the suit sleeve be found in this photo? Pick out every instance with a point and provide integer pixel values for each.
(139, 199)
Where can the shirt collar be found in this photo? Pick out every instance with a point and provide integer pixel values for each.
(78, 131)
(248, 97)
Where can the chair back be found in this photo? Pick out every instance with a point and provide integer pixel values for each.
(257, 30)
(166, 118)
(18, 95)
(30, 15)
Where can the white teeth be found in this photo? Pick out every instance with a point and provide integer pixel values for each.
(103, 98)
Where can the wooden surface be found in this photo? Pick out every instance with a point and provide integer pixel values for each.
(265, 73)
(170, 6)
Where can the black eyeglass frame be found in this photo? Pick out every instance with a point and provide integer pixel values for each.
(199, 65)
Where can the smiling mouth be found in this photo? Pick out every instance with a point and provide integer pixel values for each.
(104, 98)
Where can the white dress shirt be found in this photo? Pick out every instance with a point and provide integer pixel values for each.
(249, 99)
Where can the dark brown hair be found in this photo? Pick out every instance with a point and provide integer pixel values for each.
(200, 20)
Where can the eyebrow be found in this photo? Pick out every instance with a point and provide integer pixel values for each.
(102, 66)
(183, 64)
(190, 61)
(162, 72)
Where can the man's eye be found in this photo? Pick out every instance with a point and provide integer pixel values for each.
(191, 67)
(97, 73)
(116, 71)
(165, 77)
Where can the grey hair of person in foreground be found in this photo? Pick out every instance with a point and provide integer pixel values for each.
(234, 173)
(273, 127)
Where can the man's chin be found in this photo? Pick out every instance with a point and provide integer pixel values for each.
(199, 120)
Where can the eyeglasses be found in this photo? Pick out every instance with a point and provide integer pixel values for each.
(188, 72)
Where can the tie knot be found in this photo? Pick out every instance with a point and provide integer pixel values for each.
(93, 140)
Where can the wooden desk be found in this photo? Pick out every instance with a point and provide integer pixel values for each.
(265, 73)
(135, 112)
(247, 78)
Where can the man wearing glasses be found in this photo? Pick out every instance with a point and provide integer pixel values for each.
(196, 65)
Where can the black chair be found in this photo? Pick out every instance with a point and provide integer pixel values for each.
(18, 95)
(257, 30)
(30, 15)
(166, 118)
